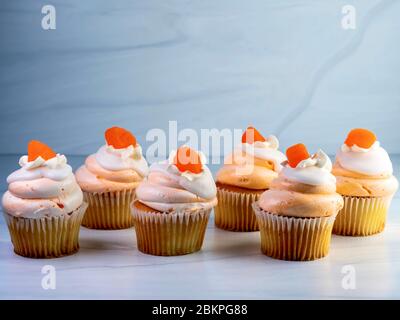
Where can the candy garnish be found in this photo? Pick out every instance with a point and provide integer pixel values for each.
(186, 159)
(252, 135)
(296, 154)
(39, 149)
(119, 138)
(362, 138)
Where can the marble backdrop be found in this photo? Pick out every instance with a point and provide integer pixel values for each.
(287, 67)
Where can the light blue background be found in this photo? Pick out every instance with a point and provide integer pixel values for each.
(287, 67)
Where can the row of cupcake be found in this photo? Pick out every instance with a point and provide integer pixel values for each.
(298, 200)
(362, 171)
(46, 203)
(294, 199)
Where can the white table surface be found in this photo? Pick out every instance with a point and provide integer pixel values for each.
(230, 266)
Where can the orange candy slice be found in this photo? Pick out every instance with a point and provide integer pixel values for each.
(363, 138)
(39, 149)
(252, 135)
(119, 138)
(186, 159)
(296, 154)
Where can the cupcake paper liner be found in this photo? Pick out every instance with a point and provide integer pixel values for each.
(362, 216)
(234, 211)
(293, 238)
(170, 234)
(47, 237)
(108, 210)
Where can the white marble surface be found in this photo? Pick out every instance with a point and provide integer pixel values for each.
(287, 67)
(230, 266)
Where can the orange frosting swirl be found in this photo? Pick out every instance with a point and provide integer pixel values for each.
(92, 177)
(350, 183)
(289, 198)
(247, 170)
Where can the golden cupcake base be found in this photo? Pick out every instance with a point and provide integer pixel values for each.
(169, 234)
(293, 238)
(49, 237)
(362, 216)
(108, 210)
(234, 211)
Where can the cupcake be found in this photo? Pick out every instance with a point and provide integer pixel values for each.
(245, 175)
(173, 205)
(43, 206)
(109, 179)
(297, 213)
(364, 176)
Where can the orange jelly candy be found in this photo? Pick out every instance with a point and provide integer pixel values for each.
(39, 149)
(363, 138)
(296, 154)
(119, 138)
(187, 159)
(252, 135)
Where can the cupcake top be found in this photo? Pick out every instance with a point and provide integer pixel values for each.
(118, 165)
(44, 186)
(254, 163)
(363, 168)
(304, 188)
(181, 183)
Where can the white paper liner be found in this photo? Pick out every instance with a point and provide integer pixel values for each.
(294, 238)
(47, 237)
(234, 211)
(362, 216)
(170, 234)
(109, 210)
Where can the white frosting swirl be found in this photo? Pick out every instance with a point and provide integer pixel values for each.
(167, 189)
(315, 171)
(266, 150)
(201, 184)
(373, 161)
(121, 159)
(42, 188)
(55, 169)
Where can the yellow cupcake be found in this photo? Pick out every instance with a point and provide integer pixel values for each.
(364, 175)
(43, 206)
(297, 213)
(109, 179)
(245, 175)
(173, 205)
